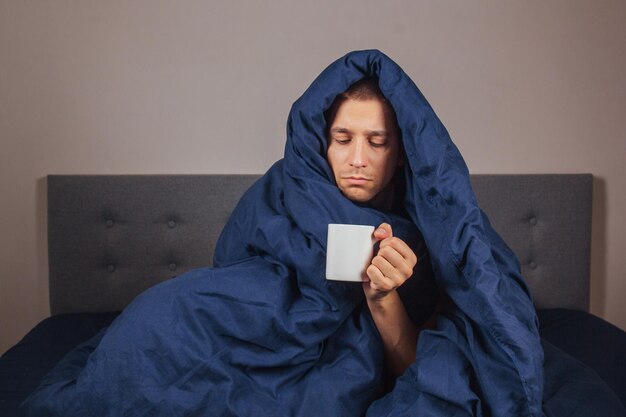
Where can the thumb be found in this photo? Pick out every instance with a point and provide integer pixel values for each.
(383, 232)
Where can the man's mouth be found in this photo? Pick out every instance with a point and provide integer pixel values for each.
(356, 180)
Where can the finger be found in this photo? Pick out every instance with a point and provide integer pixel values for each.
(378, 281)
(402, 248)
(383, 231)
(397, 261)
(388, 271)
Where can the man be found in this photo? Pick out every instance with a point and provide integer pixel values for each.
(364, 153)
(263, 333)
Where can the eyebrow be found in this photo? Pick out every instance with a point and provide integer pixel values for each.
(369, 133)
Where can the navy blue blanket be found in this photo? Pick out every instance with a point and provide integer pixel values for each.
(263, 333)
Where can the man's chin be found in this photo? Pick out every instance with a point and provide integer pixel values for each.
(357, 194)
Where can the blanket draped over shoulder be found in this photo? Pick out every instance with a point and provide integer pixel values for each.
(264, 333)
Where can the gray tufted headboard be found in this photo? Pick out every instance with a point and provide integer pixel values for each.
(111, 237)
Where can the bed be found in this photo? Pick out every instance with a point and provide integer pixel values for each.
(110, 237)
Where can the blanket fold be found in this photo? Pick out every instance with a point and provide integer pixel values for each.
(263, 333)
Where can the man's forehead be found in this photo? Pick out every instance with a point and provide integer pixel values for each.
(375, 132)
(372, 116)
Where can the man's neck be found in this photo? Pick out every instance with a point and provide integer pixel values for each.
(383, 201)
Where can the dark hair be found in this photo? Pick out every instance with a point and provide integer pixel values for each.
(365, 89)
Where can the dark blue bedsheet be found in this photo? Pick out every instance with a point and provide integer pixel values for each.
(584, 337)
(24, 365)
(263, 333)
(592, 341)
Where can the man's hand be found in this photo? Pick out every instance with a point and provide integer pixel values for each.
(391, 267)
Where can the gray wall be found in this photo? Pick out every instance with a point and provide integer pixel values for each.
(112, 87)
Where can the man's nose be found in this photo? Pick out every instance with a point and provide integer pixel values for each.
(358, 158)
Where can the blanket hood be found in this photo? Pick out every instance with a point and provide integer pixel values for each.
(432, 158)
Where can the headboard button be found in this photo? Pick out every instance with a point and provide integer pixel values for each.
(110, 223)
(171, 224)
(173, 266)
(111, 268)
(532, 265)
(533, 221)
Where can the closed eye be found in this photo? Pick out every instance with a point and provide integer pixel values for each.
(342, 141)
(378, 142)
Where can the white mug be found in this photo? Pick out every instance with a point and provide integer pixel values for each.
(349, 251)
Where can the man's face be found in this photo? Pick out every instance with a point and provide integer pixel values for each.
(364, 151)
